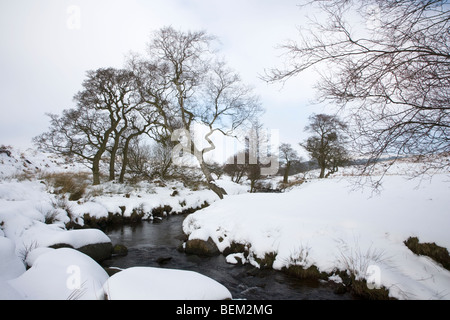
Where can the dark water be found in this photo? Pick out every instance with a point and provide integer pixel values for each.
(155, 245)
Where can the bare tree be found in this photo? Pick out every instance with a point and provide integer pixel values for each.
(162, 158)
(236, 169)
(288, 155)
(138, 162)
(180, 84)
(141, 121)
(326, 145)
(192, 86)
(70, 135)
(85, 131)
(390, 76)
(109, 113)
(257, 160)
(113, 90)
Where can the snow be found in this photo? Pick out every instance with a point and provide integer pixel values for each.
(46, 235)
(113, 198)
(328, 224)
(23, 207)
(27, 201)
(36, 253)
(61, 274)
(102, 205)
(25, 164)
(145, 283)
(10, 264)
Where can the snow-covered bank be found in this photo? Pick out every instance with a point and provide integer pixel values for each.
(326, 224)
(34, 216)
(24, 207)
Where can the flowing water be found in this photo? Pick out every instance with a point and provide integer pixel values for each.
(155, 245)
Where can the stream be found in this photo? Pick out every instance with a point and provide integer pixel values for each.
(155, 245)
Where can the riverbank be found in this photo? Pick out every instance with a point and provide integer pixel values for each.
(49, 212)
(42, 258)
(327, 229)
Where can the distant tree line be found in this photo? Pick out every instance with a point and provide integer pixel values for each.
(327, 148)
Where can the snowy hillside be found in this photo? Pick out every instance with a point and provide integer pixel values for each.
(17, 164)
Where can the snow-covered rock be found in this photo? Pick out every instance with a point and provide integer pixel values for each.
(61, 274)
(47, 235)
(145, 283)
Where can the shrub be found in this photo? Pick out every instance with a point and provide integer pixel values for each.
(50, 216)
(26, 249)
(300, 272)
(267, 261)
(357, 264)
(360, 289)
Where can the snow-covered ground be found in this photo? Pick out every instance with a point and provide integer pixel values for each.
(333, 224)
(34, 217)
(327, 223)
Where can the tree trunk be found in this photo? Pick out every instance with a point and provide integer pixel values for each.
(211, 183)
(115, 147)
(239, 175)
(252, 185)
(124, 161)
(322, 164)
(112, 163)
(96, 171)
(286, 172)
(217, 190)
(322, 172)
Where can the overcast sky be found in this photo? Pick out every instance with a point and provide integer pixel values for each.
(48, 45)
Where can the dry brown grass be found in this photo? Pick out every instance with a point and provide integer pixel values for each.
(73, 184)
